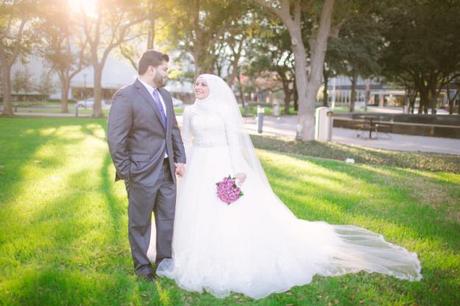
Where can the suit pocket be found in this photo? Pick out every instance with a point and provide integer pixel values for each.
(139, 163)
(140, 157)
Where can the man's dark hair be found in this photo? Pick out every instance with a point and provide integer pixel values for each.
(151, 58)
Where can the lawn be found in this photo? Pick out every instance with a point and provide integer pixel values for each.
(63, 220)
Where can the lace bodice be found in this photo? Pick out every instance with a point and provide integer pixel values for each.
(203, 127)
(207, 129)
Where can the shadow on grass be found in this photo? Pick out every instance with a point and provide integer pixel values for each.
(115, 206)
(62, 256)
(94, 130)
(71, 247)
(20, 140)
(54, 286)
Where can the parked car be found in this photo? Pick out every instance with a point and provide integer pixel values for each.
(87, 103)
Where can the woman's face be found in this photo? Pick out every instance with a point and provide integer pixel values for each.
(201, 89)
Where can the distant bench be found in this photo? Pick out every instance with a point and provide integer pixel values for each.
(372, 124)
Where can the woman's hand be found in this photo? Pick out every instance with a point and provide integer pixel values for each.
(241, 177)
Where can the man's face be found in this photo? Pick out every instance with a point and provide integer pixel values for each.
(160, 74)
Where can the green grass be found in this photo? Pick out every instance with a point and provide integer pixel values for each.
(179, 110)
(56, 109)
(63, 221)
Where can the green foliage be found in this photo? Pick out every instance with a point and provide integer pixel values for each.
(422, 46)
(17, 19)
(356, 50)
(196, 27)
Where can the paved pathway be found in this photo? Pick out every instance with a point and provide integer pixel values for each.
(285, 126)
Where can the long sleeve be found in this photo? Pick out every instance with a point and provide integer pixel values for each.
(233, 133)
(177, 142)
(186, 129)
(119, 127)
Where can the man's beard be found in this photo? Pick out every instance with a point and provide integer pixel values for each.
(159, 80)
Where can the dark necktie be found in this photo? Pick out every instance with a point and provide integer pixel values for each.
(157, 101)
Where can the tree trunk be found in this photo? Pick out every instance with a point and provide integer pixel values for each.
(65, 95)
(452, 99)
(287, 97)
(367, 97)
(423, 105)
(286, 91)
(318, 53)
(287, 101)
(97, 107)
(412, 104)
(307, 87)
(202, 60)
(305, 119)
(325, 91)
(6, 90)
(296, 98)
(240, 87)
(406, 103)
(235, 63)
(433, 94)
(412, 96)
(151, 32)
(434, 102)
(354, 80)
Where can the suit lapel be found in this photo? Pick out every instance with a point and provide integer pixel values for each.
(148, 99)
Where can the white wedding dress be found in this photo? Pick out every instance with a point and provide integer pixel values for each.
(256, 246)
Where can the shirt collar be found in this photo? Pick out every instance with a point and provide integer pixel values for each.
(149, 88)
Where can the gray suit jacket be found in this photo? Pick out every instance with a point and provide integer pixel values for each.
(137, 138)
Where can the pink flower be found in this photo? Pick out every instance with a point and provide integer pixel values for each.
(228, 191)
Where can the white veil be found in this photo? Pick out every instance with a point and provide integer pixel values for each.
(223, 102)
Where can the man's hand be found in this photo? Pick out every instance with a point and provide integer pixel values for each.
(180, 169)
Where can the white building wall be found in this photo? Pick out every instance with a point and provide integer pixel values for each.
(117, 73)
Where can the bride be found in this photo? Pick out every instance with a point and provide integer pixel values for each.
(255, 246)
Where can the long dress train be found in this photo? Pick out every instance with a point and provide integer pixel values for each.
(256, 245)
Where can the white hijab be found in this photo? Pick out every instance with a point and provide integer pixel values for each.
(222, 101)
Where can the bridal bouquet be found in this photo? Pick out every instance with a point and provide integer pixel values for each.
(228, 191)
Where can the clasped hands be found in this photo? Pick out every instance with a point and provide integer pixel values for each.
(180, 169)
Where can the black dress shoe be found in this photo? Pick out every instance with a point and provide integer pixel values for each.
(150, 277)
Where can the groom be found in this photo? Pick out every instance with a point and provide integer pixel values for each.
(147, 151)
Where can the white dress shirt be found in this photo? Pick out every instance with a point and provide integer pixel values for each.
(150, 90)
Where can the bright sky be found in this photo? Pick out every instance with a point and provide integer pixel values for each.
(89, 7)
